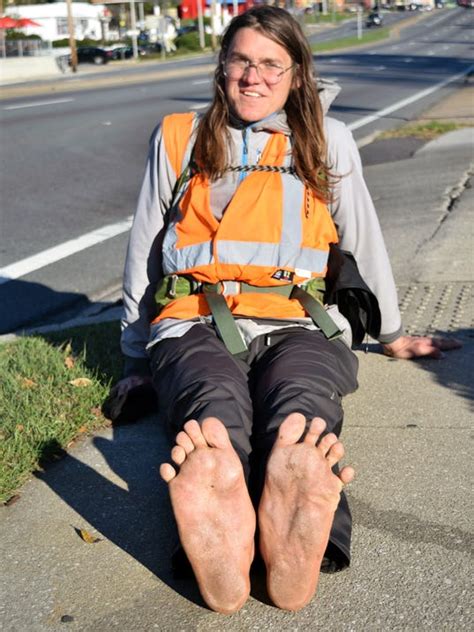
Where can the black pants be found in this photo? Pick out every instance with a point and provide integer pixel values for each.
(291, 370)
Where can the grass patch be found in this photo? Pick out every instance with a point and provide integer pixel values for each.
(426, 131)
(346, 42)
(51, 392)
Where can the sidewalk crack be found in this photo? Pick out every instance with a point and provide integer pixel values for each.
(452, 199)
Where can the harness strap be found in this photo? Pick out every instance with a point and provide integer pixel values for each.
(318, 314)
(229, 331)
(175, 286)
(225, 322)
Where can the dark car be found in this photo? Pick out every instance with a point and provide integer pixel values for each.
(93, 55)
(374, 19)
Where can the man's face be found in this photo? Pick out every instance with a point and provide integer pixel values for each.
(250, 97)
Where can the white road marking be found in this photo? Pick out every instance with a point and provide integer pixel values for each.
(37, 104)
(68, 248)
(408, 101)
(198, 82)
(199, 106)
(73, 246)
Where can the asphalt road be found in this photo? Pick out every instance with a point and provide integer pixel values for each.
(72, 159)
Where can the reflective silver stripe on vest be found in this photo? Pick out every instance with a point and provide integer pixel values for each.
(179, 259)
(287, 254)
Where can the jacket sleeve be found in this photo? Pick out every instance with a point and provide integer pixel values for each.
(358, 226)
(143, 260)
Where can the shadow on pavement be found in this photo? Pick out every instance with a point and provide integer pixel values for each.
(25, 303)
(129, 503)
(453, 371)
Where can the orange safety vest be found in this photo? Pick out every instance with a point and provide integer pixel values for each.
(274, 232)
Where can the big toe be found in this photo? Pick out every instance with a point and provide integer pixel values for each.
(291, 430)
(215, 433)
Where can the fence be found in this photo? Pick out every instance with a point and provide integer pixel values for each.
(24, 48)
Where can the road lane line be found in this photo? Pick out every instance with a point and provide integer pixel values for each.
(199, 106)
(408, 101)
(37, 104)
(66, 249)
(198, 82)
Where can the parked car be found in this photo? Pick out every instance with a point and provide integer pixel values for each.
(93, 55)
(373, 19)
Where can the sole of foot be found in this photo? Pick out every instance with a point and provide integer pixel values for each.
(296, 511)
(215, 517)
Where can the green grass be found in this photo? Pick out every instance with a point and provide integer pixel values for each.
(41, 411)
(329, 18)
(346, 42)
(427, 131)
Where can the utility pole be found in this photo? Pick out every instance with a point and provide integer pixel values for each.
(133, 28)
(72, 37)
(213, 25)
(202, 40)
(359, 21)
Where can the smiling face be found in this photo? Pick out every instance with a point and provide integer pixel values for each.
(251, 98)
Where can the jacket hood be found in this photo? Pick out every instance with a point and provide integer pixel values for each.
(327, 91)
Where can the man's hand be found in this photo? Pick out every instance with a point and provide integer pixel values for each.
(408, 347)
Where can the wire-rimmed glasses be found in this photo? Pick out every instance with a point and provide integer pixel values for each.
(269, 71)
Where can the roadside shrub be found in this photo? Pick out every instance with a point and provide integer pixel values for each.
(85, 42)
(190, 41)
(16, 35)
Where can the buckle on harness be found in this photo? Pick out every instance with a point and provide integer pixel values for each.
(224, 288)
(171, 289)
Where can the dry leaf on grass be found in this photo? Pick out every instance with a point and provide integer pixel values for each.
(96, 411)
(69, 362)
(27, 383)
(81, 381)
(87, 537)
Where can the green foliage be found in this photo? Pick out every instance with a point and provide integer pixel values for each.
(425, 130)
(51, 391)
(62, 43)
(367, 38)
(12, 35)
(190, 41)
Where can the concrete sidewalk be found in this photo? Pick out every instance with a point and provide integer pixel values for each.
(406, 433)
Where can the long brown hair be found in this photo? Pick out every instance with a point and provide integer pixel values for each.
(303, 107)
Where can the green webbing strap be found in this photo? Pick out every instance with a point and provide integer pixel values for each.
(224, 320)
(318, 314)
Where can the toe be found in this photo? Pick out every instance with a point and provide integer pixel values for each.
(178, 454)
(215, 433)
(335, 453)
(185, 442)
(347, 475)
(193, 430)
(291, 430)
(315, 429)
(327, 442)
(167, 472)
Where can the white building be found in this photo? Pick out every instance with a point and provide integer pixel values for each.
(89, 20)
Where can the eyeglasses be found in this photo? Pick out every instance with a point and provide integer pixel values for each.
(270, 72)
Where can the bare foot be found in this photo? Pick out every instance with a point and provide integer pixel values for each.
(215, 516)
(297, 508)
